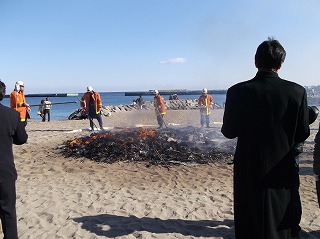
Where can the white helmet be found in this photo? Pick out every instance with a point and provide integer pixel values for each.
(204, 90)
(156, 91)
(19, 83)
(89, 88)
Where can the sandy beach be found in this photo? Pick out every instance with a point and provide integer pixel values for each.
(60, 197)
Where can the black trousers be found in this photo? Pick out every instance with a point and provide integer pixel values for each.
(297, 211)
(8, 209)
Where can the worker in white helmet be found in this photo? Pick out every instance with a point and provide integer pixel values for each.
(160, 108)
(18, 102)
(91, 104)
(205, 103)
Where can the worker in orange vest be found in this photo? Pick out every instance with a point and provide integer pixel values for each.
(205, 102)
(91, 104)
(160, 108)
(18, 102)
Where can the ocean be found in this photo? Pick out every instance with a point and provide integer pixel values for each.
(62, 111)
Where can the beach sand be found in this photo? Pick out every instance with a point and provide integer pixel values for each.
(60, 197)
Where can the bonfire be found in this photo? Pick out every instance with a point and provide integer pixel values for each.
(164, 147)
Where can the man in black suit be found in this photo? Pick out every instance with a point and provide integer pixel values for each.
(11, 131)
(269, 116)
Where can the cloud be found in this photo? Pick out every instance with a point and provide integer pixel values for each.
(177, 60)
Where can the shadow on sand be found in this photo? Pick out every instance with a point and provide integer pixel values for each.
(113, 226)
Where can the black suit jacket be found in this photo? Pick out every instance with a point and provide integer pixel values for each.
(11, 131)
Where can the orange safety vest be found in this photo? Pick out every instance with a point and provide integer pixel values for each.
(207, 101)
(85, 100)
(17, 102)
(159, 105)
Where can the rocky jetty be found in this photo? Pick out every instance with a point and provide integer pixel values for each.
(188, 104)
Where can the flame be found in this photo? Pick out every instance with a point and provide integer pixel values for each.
(141, 134)
(75, 142)
(145, 134)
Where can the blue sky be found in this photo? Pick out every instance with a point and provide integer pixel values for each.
(60, 46)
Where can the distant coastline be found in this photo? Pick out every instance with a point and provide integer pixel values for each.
(313, 93)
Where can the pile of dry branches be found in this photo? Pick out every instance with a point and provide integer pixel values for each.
(165, 147)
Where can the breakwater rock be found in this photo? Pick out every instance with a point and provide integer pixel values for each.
(189, 104)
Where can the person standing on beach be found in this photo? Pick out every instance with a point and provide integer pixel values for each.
(46, 110)
(41, 109)
(18, 102)
(160, 109)
(12, 130)
(269, 116)
(91, 104)
(140, 102)
(205, 103)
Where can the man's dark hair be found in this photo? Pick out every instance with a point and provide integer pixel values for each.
(270, 55)
(2, 90)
